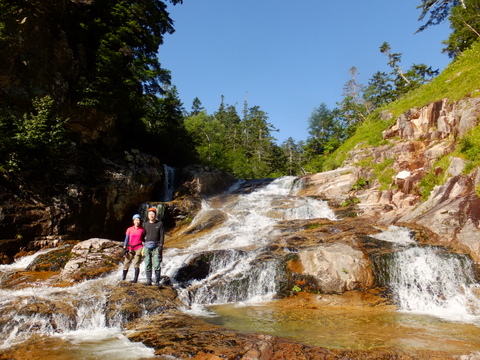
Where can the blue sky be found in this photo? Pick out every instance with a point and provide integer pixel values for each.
(288, 57)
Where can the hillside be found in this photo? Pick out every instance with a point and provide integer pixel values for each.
(416, 162)
(457, 81)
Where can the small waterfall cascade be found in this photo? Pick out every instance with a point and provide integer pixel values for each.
(239, 268)
(168, 183)
(82, 321)
(430, 280)
(166, 194)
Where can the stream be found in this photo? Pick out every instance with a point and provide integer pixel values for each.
(436, 291)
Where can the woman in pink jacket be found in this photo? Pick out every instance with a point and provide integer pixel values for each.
(132, 247)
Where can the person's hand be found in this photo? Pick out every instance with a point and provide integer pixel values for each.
(124, 252)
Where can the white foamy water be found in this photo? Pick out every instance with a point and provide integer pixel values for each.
(236, 275)
(251, 217)
(396, 234)
(23, 262)
(104, 344)
(168, 183)
(428, 280)
(90, 334)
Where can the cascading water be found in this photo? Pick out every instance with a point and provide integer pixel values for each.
(429, 286)
(234, 266)
(430, 280)
(87, 328)
(239, 270)
(168, 183)
(166, 194)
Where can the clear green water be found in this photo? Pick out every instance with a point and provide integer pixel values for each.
(352, 328)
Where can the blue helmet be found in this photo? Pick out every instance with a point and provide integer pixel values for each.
(137, 216)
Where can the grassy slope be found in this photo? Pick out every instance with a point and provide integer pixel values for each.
(460, 79)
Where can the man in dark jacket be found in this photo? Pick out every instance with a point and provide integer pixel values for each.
(154, 238)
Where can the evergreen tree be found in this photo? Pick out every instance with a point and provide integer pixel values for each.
(465, 23)
(379, 90)
(123, 42)
(102, 71)
(258, 141)
(398, 82)
(418, 75)
(438, 11)
(243, 147)
(393, 61)
(207, 136)
(292, 157)
(320, 127)
(353, 108)
(166, 136)
(197, 107)
(228, 116)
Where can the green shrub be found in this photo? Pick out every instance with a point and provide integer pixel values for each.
(350, 201)
(31, 137)
(360, 184)
(433, 178)
(469, 146)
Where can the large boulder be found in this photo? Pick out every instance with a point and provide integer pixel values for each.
(338, 267)
(334, 185)
(92, 258)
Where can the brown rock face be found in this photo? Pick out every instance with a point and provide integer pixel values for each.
(77, 210)
(416, 140)
(436, 121)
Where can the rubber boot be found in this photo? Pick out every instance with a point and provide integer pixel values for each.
(157, 277)
(148, 274)
(135, 276)
(124, 275)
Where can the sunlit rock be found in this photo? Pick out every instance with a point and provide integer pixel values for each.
(92, 257)
(337, 267)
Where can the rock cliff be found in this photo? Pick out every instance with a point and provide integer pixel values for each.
(419, 137)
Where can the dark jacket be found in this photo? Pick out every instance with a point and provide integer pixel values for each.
(154, 234)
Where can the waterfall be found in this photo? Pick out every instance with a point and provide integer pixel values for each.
(429, 279)
(87, 326)
(233, 279)
(232, 264)
(166, 194)
(238, 269)
(251, 217)
(168, 183)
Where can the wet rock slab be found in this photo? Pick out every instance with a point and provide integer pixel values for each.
(185, 337)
